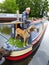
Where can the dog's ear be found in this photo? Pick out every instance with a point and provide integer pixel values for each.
(31, 29)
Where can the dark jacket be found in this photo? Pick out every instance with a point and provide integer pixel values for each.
(24, 16)
(25, 19)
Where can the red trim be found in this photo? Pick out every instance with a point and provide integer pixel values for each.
(4, 19)
(8, 19)
(19, 57)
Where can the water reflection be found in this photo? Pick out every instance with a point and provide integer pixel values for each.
(5, 29)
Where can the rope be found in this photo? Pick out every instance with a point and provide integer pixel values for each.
(4, 37)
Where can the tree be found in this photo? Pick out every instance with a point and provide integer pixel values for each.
(38, 7)
(45, 7)
(9, 6)
(23, 4)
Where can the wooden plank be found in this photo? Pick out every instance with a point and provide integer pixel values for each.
(14, 22)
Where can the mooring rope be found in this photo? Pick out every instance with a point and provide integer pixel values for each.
(4, 37)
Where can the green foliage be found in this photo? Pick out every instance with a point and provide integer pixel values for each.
(9, 6)
(23, 4)
(38, 7)
(16, 42)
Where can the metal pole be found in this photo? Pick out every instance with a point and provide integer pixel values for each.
(13, 30)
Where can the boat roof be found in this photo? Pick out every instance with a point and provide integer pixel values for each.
(10, 15)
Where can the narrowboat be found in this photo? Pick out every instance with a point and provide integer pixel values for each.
(19, 53)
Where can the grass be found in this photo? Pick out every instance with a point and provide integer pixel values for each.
(16, 42)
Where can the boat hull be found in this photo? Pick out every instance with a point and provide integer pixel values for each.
(19, 55)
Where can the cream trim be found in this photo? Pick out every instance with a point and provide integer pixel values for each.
(19, 53)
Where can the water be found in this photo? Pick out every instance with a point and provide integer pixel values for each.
(41, 57)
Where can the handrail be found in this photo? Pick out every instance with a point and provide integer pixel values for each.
(13, 22)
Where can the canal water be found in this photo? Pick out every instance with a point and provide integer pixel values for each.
(39, 57)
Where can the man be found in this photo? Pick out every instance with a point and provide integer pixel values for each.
(25, 15)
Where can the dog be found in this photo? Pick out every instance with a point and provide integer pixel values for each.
(4, 53)
(25, 34)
